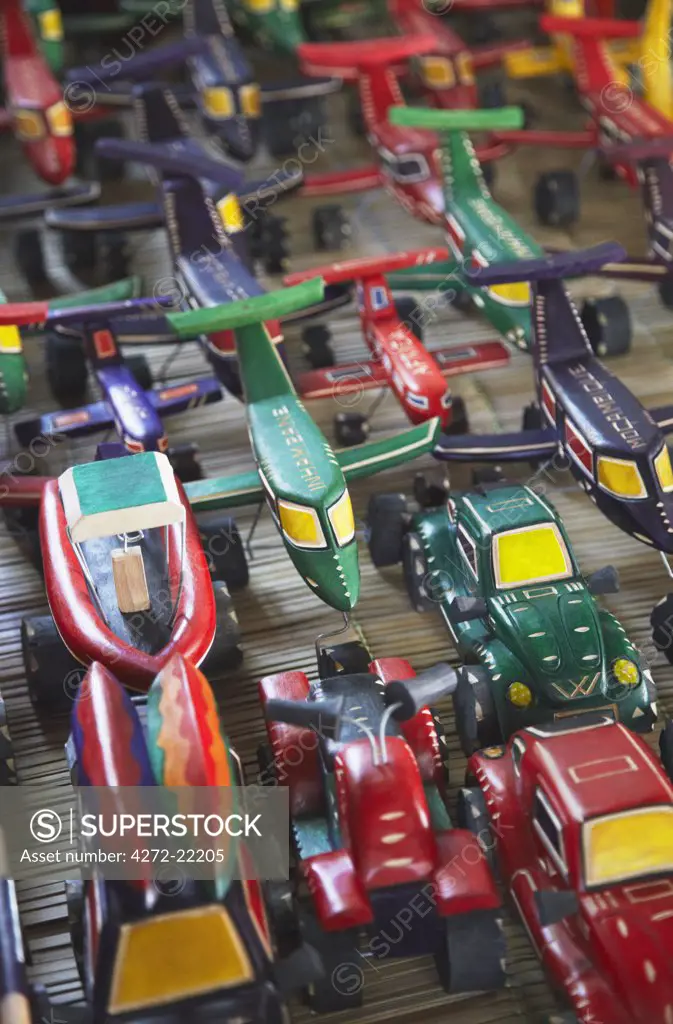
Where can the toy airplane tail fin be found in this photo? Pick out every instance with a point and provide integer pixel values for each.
(349, 60)
(499, 119)
(652, 156)
(158, 113)
(558, 334)
(655, 59)
(207, 18)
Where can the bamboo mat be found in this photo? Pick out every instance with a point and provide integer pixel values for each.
(280, 617)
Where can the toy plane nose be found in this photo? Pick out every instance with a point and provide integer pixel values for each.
(240, 137)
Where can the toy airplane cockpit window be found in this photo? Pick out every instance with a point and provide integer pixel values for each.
(31, 125)
(51, 25)
(119, 514)
(301, 524)
(220, 103)
(264, 6)
(533, 554)
(407, 169)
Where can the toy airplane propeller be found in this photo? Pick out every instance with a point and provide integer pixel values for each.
(614, 447)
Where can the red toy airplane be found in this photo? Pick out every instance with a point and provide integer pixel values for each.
(407, 162)
(399, 360)
(41, 121)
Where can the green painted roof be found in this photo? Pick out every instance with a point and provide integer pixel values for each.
(504, 508)
(112, 484)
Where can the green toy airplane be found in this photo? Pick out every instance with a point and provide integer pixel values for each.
(275, 24)
(304, 482)
(477, 228)
(13, 373)
(46, 16)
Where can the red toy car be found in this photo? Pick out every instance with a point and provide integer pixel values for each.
(361, 755)
(581, 814)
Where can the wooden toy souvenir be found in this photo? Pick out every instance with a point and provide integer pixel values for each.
(126, 578)
(578, 815)
(371, 827)
(46, 17)
(399, 361)
(480, 232)
(144, 949)
(298, 475)
(536, 646)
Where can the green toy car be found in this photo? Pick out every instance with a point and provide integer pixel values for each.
(534, 643)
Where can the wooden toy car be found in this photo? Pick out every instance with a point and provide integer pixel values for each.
(580, 815)
(202, 950)
(126, 578)
(499, 566)
(371, 829)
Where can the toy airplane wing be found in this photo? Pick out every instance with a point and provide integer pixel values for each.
(121, 216)
(233, 491)
(87, 419)
(277, 92)
(169, 158)
(518, 446)
(180, 397)
(16, 207)
(142, 65)
(265, 191)
(375, 456)
(533, 62)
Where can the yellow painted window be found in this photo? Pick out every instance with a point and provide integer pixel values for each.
(251, 101)
(465, 69)
(259, 6)
(51, 25)
(59, 119)
(172, 957)
(301, 525)
(662, 465)
(621, 477)
(218, 102)
(230, 211)
(515, 294)
(533, 554)
(29, 125)
(568, 8)
(437, 72)
(10, 339)
(289, 5)
(342, 519)
(629, 845)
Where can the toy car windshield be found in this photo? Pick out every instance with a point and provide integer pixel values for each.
(633, 844)
(533, 554)
(128, 498)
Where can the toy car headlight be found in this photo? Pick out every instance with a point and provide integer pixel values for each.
(520, 695)
(626, 672)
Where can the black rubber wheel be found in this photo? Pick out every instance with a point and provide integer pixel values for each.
(665, 289)
(531, 418)
(350, 428)
(351, 658)
(476, 718)
(317, 346)
(281, 909)
(288, 123)
(67, 369)
(557, 199)
(331, 230)
(460, 423)
(52, 673)
(415, 570)
(114, 260)
(607, 322)
(408, 311)
(224, 550)
(341, 986)
(485, 475)
(184, 459)
(666, 748)
(661, 621)
(429, 493)
(224, 655)
(462, 301)
(89, 163)
(22, 526)
(473, 953)
(386, 526)
(472, 814)
(140, 368)
(80, 252)
(29, 257)
(274, 245)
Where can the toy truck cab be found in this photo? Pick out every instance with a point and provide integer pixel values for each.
(582, 818)
(536, 644)
(126, 578)
(362, 760)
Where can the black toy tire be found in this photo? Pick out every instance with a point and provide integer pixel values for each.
(22, 526)
(472, 814)
(185, 461)
(29, 257)
(225, 655)
(337, 950)
(330, 228)
(386, 526)
(227, 559)
(472, 959)
(67, 369)
(557, 199)
(350, 428)
(607, 322)
(350, 658)
(484, 476)
(140, 368)
(460, 423)
(473, 688)
(52, 673)
(89, 163)
(80, 252)
(114, 260)
(661, 621)
(317, 346)
(406, 308)
(665, 290)
(415, 569)
(531, 418)
(428, 493)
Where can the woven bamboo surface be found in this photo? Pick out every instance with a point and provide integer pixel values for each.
(280, 617)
